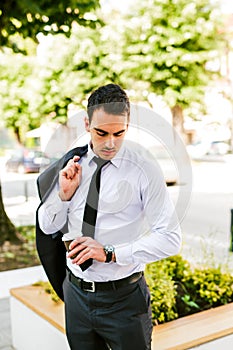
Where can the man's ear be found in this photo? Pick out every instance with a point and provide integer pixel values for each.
(87, 124)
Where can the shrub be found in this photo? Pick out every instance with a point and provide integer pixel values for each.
(210, 287)
(48, 289)
(163, 292)
(178, 289)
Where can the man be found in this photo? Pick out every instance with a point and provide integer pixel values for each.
(107, 305)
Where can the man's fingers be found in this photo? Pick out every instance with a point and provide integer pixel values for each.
(86, 248)
(72, 168)
(76, 159)
(79, 240)
(83, 255)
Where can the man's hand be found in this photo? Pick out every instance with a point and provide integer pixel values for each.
(70, 179)
(87, 248)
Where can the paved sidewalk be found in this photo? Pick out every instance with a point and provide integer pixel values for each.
(5, 329)
(21, 212)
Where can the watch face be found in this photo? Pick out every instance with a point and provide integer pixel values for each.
(109, 248)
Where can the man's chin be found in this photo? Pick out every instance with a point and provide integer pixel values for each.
(107, 154)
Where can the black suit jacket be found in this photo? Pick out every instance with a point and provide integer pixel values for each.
(51, 249)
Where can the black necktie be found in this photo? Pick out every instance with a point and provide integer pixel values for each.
(91, 207)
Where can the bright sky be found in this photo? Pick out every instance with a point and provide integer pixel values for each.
(118, 4)
(227, 6)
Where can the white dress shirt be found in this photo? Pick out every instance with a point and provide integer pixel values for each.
(135, 214)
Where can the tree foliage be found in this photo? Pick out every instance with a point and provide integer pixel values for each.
(28, 18)
(25, 19)
(36, 86)
(162, 47)
(16, 81)
(168, 45)
(64, 72)
(67, 70)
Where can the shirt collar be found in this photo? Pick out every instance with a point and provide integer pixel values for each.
(90, 154)
(116, 161)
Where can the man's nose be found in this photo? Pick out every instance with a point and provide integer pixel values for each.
(110, 142)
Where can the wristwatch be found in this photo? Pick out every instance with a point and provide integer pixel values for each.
(109, 250)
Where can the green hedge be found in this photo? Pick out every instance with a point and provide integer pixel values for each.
(178, 290)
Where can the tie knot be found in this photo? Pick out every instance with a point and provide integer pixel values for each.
(100, 162)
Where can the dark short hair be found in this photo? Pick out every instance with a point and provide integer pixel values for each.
(111, 98)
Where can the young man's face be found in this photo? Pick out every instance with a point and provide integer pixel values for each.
(107, 133)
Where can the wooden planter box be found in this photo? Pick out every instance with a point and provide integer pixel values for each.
(38, 323)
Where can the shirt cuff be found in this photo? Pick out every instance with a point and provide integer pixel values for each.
(124, 255)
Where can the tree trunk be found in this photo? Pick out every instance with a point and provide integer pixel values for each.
(7, 229)
(178, 121)
(17, 134)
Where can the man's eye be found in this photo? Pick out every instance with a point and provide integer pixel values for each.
(119, 134)
(99, 133)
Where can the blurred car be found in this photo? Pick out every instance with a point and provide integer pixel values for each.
(25, 160)
(208, 150)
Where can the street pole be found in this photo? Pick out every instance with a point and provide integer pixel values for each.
(26, 190)
(231, 247)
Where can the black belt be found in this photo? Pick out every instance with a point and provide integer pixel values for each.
(103, 286)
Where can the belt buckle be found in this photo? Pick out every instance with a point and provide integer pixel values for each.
(88, 286)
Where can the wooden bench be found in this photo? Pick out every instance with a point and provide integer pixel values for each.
(191, 331)
(184, 333)
(36, 299)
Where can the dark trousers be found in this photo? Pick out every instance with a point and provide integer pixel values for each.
(117, 320)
